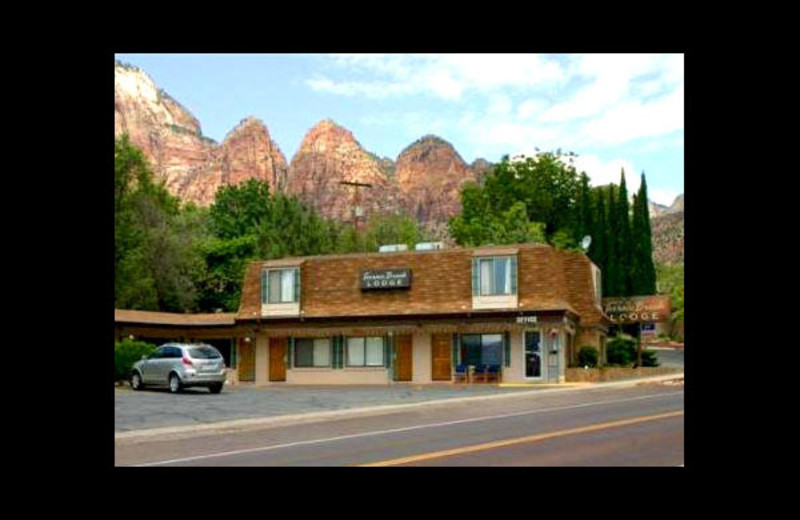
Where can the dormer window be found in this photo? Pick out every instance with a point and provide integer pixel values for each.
(280, 286)
(494, 276)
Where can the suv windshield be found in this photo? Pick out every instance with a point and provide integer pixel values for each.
(204, 353)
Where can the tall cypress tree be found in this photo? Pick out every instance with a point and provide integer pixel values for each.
(598, 251)
(612, 236)
(637, 233)
(646, 268)
(584, 225)
(624, 239)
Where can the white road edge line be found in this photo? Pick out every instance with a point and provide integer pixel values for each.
(397, 430)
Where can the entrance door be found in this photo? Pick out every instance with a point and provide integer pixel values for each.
(441, 357)
(533, 355)
(403, 362)
(277, 358)
(247, 361)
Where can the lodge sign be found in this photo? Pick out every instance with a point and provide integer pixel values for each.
(637, 309)
(385, 279)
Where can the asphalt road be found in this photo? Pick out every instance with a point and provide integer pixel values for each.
(635, 426)
(670, 357)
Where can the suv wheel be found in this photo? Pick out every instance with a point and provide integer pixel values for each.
(136, 381)
(174, 383)
(215, 388)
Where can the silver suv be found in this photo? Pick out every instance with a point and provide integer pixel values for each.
(179, 365)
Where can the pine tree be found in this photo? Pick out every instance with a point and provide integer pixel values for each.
(624, 240)
(612, 239)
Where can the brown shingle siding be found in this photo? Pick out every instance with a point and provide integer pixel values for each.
(549, 279)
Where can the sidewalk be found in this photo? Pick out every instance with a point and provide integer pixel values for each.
(175, 432)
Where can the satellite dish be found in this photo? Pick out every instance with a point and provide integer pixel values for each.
(586, 242)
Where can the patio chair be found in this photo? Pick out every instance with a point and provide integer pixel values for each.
(492, 373)
(460, 374)
(480, 373)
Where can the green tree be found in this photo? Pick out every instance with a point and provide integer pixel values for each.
(670, 282)
(624, 242)
(646, 267)
(585, 224)
(598, 250)
(612, 260)
(544, 185)
(153, 261)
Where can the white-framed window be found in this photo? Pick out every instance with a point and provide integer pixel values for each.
(493, 276)
(365, 351)
(312, 352)
(280, 285)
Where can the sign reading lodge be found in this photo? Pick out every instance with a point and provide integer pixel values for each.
(637, 309)
(386, 279)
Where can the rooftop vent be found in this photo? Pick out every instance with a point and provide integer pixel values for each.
(429, 246)
(392, 248)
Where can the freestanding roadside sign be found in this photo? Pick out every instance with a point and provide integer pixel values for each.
(637, 309)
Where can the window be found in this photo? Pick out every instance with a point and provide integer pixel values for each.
(280, 286)
(171, 352)
(482, 349)
(312, 352)
(204, 353)
(365, 352)
(496, 276)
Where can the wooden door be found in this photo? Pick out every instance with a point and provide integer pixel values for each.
(441, 357)
(247, 361)
(277, 358)
(403, 361)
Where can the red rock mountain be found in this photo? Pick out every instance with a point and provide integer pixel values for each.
(430, 173)
(328, 155)
(192, 166)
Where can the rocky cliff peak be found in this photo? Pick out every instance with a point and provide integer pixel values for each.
(192, 166)
(430, 173)
(330, 154)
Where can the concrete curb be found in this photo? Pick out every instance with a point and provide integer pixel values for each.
(239, 425)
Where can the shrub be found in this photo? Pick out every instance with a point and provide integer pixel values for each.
(126, 353)
(587, 356)
(621, 351)
(649, 358)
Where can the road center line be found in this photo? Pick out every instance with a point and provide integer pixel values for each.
(518, 440)
(404, 429)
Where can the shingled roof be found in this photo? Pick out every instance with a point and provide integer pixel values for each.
(549, 280)
(171, 318)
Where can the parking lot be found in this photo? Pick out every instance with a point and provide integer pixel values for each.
(159, 408)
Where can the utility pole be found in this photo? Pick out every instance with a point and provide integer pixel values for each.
(357, 210)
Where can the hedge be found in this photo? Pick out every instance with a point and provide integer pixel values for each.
(126, 353)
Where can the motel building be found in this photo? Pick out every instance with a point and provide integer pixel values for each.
(511, 314)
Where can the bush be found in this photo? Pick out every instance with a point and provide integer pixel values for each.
(587, 356)
(126, 353)
(649, 358)
(621, 351)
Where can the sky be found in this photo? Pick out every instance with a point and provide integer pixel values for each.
(614, 111)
